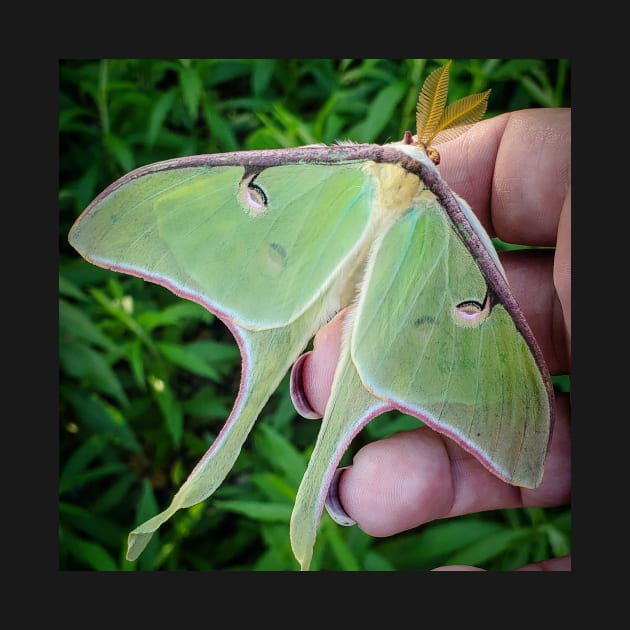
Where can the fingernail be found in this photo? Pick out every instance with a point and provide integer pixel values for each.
(300, 402)
(333, 504)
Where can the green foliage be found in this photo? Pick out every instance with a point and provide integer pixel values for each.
(147, 379)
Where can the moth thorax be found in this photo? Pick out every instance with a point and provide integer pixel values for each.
(396, 189)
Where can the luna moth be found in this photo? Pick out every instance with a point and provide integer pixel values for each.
(275, 242)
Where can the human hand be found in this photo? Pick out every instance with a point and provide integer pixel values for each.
(514, 171)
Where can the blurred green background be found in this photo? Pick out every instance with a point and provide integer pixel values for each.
(125, 443)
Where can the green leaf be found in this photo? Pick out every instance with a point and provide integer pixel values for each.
(102, 419)
(264, 139)
(434, 543)
(191, 89)
(185, 357)
(174, 314)
(81, 458)
(75, 323)
(84, 363)
(300, 132)
(226, 70)
(223, 356)
(331, 533)
(121, 152)
(205, 404)
(561, 382)
(158, 115)
(278, 556)
(69, 289)
(117, 310)
(115, 304)
(274, 487)
(83, 188)
(136, 361)
(541, 95)
(390, 424)
(262, 75)
(376, 562)
(489, 547)
(170, 408)
(284, 413)
(89, 553)
(515, 557)
(84, 521)
(83, 478)
(558, 541)
(115, 494)
(258, 510)
(563, 521)
(221, 132)
(280, 453)
(379, 113)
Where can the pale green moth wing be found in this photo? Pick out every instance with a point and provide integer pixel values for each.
(226, 237)
(435, 333)
(448, 351)
(350, 407)
(262, 239)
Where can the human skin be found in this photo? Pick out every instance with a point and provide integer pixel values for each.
(515, 172)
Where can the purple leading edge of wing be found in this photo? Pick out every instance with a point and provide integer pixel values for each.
(257, 160)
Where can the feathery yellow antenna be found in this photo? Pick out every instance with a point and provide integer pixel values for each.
(431, 103)
(436, 123)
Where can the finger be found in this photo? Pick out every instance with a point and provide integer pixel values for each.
(417, 476)
(514, 171)
(313, 381)
(530, 275)
(312, 374)
(553, 564)
(457, 567)
(562, 269)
